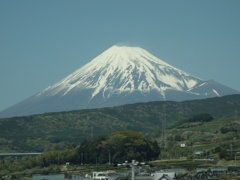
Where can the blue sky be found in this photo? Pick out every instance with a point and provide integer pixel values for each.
(43, 41)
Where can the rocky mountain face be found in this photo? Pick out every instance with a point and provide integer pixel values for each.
(120, 75)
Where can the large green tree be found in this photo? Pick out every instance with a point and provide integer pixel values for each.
(120, 146)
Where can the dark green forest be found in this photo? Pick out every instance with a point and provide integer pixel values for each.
(40, 133)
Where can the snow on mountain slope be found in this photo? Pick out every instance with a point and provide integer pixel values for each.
(120, 75)
(124, 69)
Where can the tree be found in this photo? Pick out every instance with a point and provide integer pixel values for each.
(179, 138)
(122, 145)
(203, 117)
(130, 145)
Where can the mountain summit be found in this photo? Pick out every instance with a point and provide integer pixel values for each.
(120, 75)
(127, 70)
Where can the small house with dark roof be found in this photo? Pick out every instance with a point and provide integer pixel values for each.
(165, 176)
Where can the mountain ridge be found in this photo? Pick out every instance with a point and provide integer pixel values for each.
(120, 75)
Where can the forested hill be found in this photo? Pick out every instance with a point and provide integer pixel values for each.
(39, 132)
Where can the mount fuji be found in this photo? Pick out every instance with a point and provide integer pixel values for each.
(120, 75)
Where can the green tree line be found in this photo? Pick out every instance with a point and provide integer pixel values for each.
(117, 147)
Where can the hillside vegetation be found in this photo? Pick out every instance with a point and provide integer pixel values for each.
(212, 139)
(52, 130)
(217, 138)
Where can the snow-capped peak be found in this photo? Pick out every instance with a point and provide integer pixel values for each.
(125, 69)
(120, 75)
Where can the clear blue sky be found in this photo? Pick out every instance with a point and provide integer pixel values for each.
(43, 41)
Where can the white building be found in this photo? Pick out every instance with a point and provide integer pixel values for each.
(100, 176)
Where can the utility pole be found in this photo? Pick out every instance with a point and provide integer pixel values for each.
(133, 169)
(91, 131)
(96, 163)
(58, 159)
(109, 157)
(164, 140)
(236, 158)
(132, 165)
(81, 158)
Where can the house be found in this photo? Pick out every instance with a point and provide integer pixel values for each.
(182, 145)
(100, 176)
(164, 175)
(198, 153)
